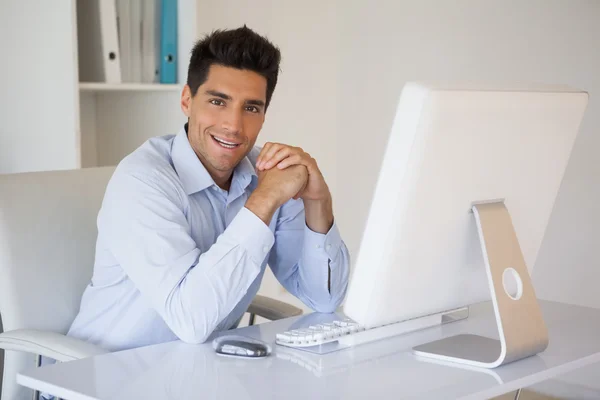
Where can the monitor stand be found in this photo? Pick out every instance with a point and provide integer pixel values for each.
(521, 326)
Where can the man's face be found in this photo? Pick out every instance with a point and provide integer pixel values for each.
(225, 117)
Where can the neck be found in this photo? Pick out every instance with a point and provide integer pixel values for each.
(222, 178)
(222, 181)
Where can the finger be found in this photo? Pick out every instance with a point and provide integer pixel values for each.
(262, 153)
(293, 159)
(269, 153)
(267, 148)
(283, 153)
(305, 159)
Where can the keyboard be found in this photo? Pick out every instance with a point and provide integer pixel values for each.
(318, 334)
(350, 333)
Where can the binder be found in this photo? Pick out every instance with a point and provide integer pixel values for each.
(168, 41)
(135, 41)
(97, 41)
(150, 41)
(109, 41)
(124, 29)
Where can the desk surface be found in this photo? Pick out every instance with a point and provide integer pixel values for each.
(384, 369)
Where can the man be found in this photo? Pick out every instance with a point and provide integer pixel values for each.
(190, 221)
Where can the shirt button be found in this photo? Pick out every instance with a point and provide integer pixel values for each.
(215, 188)
(318, 246)
(328, 247)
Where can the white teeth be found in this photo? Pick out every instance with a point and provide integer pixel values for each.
(227, 144)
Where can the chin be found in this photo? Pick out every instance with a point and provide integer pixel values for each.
(225, 165)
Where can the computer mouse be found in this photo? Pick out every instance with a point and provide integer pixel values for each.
(239, 346)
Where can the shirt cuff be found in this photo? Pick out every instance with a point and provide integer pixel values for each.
(330, 242)
(252, 234)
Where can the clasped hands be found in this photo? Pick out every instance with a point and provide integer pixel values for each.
(286, 172)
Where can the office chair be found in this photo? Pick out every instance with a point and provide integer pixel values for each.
(47, 243)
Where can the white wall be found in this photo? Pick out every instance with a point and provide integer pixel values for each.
(38, 110)
(345, 63)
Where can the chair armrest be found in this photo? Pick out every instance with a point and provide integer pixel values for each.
(48, 344)
(272, 309)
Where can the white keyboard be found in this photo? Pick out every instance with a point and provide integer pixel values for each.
(318, 334)
(349, 333)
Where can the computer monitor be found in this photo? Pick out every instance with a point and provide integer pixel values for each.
(450, 147)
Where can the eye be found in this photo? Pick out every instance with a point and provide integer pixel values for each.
(216, 102)
(252, 109)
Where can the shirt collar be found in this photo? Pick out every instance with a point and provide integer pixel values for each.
(192, 173)
(244, 175)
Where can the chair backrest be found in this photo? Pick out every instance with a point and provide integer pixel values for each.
(47, 242)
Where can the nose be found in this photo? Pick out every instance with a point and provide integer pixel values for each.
(233, 121)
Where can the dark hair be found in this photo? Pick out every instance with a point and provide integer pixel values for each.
(240, 48)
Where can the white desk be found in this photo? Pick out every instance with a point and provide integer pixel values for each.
(384, 369)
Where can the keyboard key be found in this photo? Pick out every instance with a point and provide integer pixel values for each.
(328, 326)
(283, 337)
(341, 323)
(318, 334)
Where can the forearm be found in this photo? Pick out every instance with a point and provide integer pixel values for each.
(319, 215)
(322, 274)
(316, 271)
(209, 293)
(215, 282)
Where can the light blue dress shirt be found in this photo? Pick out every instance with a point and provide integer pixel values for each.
(177, 257)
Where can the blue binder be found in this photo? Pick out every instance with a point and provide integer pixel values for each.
(168, 41)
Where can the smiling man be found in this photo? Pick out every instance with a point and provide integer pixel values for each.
(190, 221)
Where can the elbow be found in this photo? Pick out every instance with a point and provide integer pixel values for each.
(189, 327)
(331, 302)
(190, 324)
(193, 339)
(326, 308)
(334, 302)
(191, 336)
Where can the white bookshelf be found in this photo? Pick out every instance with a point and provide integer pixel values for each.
(52, 119)
(113, 119)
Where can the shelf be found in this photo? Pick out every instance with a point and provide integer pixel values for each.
(134, 87)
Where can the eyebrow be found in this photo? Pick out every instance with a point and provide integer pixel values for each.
(227, 97)
(256, 103)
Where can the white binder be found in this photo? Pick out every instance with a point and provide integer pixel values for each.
(124, 30)
(110, 41)
(98, 44)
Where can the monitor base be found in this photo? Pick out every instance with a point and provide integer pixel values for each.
(521, 327)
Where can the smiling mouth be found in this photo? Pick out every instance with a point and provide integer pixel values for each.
(225, 143)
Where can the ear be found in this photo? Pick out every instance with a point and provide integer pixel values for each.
(186, 101)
